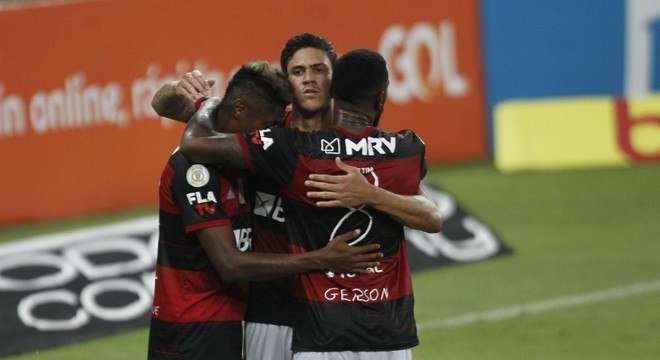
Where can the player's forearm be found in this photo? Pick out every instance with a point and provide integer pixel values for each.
(338, 255)
(167, 102)
(201, 143)
(201, 146)
(195, 143)
(414, 211)
(252, 266)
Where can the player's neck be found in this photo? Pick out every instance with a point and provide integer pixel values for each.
(352, 121)
(311, 121)
(223, 121)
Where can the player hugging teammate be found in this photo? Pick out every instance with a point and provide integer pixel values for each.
(325, 183)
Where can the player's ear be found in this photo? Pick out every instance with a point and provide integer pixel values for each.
(380, 101)
(238, 108)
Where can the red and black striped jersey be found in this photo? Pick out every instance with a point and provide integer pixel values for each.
(195, 314)
(270, 301)
(345, 312)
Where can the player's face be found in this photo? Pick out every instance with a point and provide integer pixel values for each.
(310, 73)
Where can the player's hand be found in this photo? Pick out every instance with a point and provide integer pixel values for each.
(193, 85)
(350, 190)
(340, 257)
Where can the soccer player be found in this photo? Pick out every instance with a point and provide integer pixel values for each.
(205, 224)
(338, 315)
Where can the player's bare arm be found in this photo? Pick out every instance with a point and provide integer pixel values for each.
(234, 265)
(353, 189)
(176, 99)
(201, 143)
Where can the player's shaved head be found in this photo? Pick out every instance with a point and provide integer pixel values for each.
(359, 76)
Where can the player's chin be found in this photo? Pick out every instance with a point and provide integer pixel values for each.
(312, 105)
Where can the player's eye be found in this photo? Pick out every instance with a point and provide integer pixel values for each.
(321, 69)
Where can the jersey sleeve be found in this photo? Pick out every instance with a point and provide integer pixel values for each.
(271, 153)
(415, 145)
(423, 167)
(196, 191)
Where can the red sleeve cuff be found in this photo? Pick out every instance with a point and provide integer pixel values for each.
(199, 102)
(207, 224)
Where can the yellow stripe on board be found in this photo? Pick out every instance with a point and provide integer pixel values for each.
(576, 132)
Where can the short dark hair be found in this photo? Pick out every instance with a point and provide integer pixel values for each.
(257, 79)
(306, 40)
(359, 75)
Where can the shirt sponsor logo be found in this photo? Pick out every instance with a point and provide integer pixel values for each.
(265, 138)
(330, 147)
(268, 206)
(203, 205)
(197, 197)
(368, 146)
(243, 239)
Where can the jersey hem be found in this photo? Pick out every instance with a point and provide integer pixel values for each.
(269, 321)
(368, 348)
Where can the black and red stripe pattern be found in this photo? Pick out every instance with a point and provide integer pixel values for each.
(195, 314)
(345, 312)
(270, 301)
(204, 340)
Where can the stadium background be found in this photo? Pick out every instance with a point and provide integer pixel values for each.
(540, 117)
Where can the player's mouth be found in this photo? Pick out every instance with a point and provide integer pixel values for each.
(310, 91)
